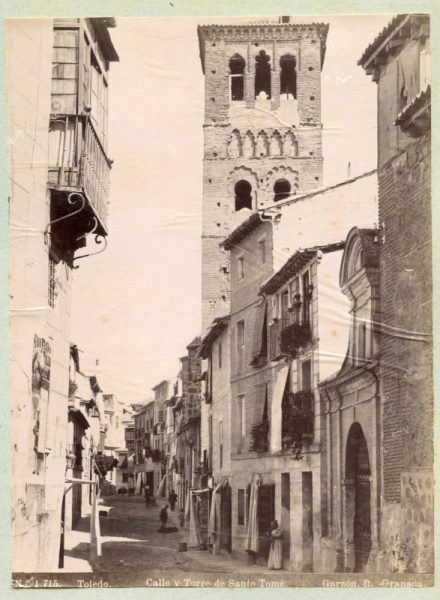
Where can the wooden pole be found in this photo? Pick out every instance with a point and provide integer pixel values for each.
(95, 530)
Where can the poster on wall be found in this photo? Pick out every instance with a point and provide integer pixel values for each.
(40, 393)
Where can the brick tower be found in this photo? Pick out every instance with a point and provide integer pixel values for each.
(262, 129)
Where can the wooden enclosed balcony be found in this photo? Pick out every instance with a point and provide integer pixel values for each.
(78, 163)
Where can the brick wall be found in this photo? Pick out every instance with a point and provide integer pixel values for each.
(222, 170)
(406, 289)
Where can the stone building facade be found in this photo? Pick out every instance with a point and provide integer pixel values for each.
(57, 76)
(266, 262)
(351, 466)
(262, 136)
(399, 62)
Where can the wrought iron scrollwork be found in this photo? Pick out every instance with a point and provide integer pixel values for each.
(98, 240)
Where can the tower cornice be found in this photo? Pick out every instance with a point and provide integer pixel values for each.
(261, 32)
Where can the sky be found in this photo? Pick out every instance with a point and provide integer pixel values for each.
(136, 306)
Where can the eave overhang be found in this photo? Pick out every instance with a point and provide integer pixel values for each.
(101, 26)
(415, 118)
(240, 232)
(391, 39)
(217, 327)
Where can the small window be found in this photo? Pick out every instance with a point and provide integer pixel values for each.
(281, 189)
(124, 477)
(243, 195)
(296, 301)
(262, 252)
(52, 291)
(241, 425)
(307, 296)
(285, 314)
(236, 68)
(262, 75)
(161, 416)
(240, 346)
(288, 76)
(240, 268)
(306, 375)
(240, 506)
(220, 355)
(220, 443)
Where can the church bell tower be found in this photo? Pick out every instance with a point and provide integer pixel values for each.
(262, 130)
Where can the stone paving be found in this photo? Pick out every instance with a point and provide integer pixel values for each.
(133, 548)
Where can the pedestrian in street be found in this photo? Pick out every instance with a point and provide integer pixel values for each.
(163, 517)
(181, 517)
(147, 493)
(172, 499)
(275, 560)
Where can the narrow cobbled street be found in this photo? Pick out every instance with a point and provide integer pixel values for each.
(131, 540)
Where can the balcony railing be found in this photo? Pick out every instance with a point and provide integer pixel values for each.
(297, 420)
(77, 162)
(292, 331)
(293, 337)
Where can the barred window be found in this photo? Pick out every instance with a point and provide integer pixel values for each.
(52, 293)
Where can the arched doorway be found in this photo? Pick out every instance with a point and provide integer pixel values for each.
(357, 500)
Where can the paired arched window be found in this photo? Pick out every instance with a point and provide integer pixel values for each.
(288, 76)
(262, 74)
(236, 69)
(281, 189)
(243, 195)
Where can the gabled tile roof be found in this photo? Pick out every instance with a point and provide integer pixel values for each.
(379, 39)
(218, 325)
(240, 232)
(295, 263)
(400, 26)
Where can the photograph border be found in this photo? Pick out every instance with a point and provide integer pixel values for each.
(203, 8)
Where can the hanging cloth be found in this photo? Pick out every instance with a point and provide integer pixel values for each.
(187, 506)
(195, 538)
(276, 409)
(138, 483)
(214, 526)
(258, 340)
(161, 486)
(252, 528)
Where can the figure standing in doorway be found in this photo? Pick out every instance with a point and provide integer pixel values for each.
(276, 547)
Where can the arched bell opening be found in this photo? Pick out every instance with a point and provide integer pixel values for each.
(281, 189)
(243, 195)
(236, 69)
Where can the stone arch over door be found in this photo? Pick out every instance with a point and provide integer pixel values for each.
(357, 501)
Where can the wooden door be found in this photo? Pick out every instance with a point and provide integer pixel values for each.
(266, 514)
